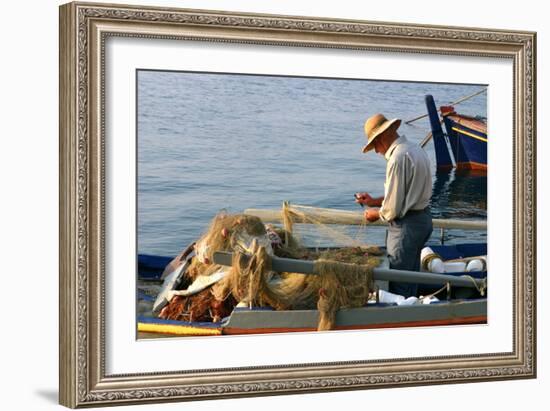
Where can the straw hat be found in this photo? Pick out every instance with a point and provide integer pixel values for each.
(375, 126)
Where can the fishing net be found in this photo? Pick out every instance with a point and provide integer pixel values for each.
(201, 307)
(225, 233)
(331, 226)
(343, 276)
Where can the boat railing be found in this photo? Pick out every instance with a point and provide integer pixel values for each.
(380, 273)
(307, 214)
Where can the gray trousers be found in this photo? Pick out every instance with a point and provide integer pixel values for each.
(404, 242)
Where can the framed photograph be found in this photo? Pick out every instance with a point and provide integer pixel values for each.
(261, 204)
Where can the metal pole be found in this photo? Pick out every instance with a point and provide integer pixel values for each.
(385, 274)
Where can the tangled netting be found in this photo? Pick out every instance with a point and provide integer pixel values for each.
(342, 279)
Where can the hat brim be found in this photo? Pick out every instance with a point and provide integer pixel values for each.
(395, 123)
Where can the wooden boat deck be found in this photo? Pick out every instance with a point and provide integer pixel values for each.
(470, 122)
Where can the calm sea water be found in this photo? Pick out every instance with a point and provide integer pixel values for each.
(208, 142)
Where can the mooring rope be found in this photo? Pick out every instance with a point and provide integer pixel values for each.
(480, 288)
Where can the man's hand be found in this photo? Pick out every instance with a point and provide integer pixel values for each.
(363, 198)
(367, 199)
(372, 214)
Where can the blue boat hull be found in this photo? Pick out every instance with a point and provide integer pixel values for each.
(465, 136)
(469, 146)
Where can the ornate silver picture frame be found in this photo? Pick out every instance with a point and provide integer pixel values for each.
(84, 30)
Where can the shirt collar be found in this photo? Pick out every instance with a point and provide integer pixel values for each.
(393, 146)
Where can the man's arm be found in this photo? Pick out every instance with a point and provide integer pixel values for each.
(366, 199)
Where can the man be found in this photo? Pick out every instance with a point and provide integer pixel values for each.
(407, 193)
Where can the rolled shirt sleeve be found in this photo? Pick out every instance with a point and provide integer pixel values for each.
(394, 189)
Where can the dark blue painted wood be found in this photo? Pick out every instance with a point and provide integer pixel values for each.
(442, 157)
(150, 267)
(466, 149)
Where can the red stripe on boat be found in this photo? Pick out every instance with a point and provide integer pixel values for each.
(482, 319)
